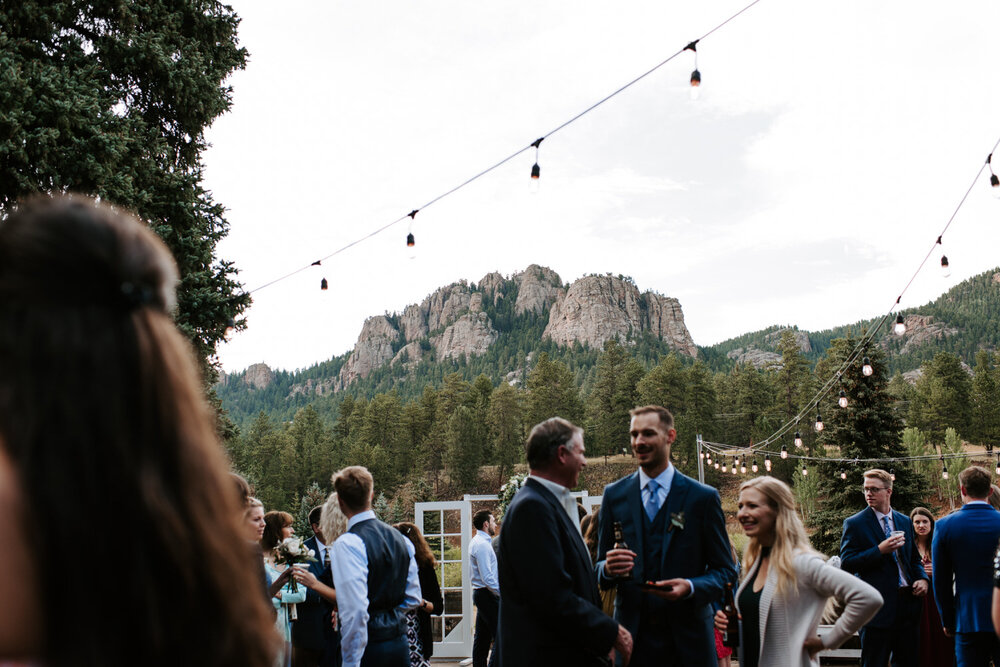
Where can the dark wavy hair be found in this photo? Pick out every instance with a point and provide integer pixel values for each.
(274, 524)
(101, 407)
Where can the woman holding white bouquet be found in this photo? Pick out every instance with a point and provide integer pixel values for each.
(280, 535)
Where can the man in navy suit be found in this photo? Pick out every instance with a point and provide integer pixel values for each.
(962, 553)
(314, 641)
(676, 532)
(879, 547)
(550, 608)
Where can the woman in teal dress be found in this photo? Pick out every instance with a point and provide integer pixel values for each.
(277, 527)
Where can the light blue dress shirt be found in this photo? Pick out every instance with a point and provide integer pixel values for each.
(350, 578)
(483, 563)
(664, 479)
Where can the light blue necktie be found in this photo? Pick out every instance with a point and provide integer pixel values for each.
(653, 501)
(895, 555)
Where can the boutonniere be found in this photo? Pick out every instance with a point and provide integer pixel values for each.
(676, 521)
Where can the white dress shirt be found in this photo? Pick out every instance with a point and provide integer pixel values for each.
(903, 581)
(350, 578)
(565, 498)
(483, 563)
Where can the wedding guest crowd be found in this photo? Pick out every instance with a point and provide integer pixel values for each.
(215, 580)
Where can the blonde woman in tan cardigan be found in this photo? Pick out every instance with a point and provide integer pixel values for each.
(787, 584)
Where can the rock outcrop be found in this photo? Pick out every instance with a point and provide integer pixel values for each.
(374, 348)
(538, 288)
(597, 308)
(921, 329)
(471, 335)
(757, 358)
(258, 376)
(801, 338)
(454, 323)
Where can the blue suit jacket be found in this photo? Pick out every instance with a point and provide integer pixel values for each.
(962, 553)
(699, 551)
(312, 629)
(550, 608)
(860, 556)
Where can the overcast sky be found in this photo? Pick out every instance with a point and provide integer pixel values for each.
(829, 147)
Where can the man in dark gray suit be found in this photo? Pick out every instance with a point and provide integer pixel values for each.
(550, 608)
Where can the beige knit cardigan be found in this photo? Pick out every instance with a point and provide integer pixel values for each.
(786, 621)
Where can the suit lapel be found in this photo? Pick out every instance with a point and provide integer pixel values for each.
(633, 501)
(675, 503)
(877, 530)
(560, 513)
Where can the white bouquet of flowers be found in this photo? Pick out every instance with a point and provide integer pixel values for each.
(292, 551)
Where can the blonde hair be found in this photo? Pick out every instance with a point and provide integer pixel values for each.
(879, 474)
(332, 522)
(790, 536)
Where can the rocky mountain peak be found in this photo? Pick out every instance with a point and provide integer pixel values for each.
(597, 308)
(258, 376)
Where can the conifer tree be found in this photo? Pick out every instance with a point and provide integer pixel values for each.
(867, 428)
(112, 99)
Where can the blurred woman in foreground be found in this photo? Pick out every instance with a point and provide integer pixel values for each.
(101, 407)
(787, 583)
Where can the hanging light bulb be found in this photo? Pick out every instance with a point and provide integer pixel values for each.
(695, 85)
(536, 171)
(736, 461)
(743, 468)
(994, 181)
(323, 285)
(843, 474)
(717, 465)
(945, 268)
(784, 451)
(708, 459)
(944, 470)
(900, 326)
(723, 465)
(998, 464)
(842, 401)
(805, 471)
(798, 439)
(702, 455)
(754, 467)
(733, 469)
(866, 367)
(410, 241)
(767, 462)
(892, 474)
(819, 422)
(695, 75)
(230, 327)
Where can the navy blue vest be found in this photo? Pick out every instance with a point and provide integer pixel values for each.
(388, 565)
(654, 532)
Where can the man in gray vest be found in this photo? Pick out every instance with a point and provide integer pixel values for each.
(374, 572)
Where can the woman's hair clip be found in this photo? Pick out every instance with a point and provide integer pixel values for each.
(136, 296)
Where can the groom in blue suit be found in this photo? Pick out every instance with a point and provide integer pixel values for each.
(676, 532)
(962, 553)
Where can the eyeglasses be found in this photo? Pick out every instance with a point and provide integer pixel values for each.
(873, 489)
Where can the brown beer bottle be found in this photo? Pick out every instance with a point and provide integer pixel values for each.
(620, 544)
(731, 637)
